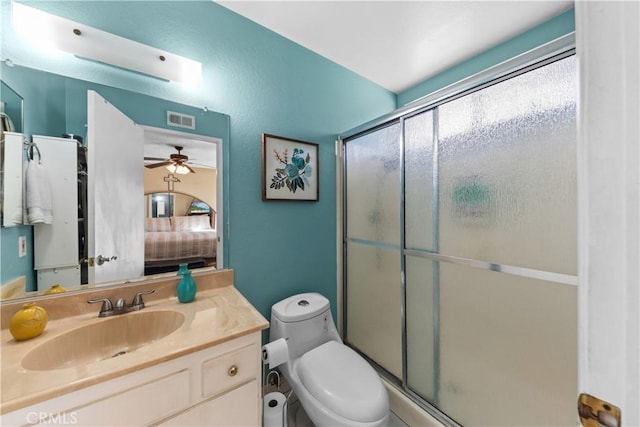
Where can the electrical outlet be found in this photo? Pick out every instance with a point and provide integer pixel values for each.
(22, 246)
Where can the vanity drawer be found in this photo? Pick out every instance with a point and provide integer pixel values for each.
(228, 370)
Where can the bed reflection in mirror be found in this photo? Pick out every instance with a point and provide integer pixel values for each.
(179, 228)
(180, 215)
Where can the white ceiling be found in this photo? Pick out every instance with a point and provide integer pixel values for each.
(398, 44)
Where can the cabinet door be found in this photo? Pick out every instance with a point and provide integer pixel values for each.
(239, 407)
(136, 406)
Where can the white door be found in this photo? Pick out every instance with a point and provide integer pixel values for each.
(608, 51)
(116, 193)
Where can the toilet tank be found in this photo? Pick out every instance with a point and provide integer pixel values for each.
(305, 321)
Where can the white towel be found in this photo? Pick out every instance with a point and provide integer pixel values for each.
(39, 207)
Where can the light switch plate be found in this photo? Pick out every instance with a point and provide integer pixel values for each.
(22, 246)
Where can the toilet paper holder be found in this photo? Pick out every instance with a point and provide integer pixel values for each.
(277, 379)
(275, 409)
(275, 353)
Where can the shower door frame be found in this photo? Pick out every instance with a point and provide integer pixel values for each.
(553, 51)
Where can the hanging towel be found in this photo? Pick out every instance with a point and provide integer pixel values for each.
(39, 207)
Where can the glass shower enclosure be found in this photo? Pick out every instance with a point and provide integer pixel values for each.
(460, 249)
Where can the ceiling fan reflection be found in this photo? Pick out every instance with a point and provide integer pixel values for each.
(176, 163)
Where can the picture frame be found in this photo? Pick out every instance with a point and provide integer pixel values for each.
(289, 169)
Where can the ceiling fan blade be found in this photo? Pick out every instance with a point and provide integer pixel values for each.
(189, 167)
(200, 165)
(157, 165)
(156, 158)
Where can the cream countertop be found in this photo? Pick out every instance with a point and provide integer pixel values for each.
(218, 314)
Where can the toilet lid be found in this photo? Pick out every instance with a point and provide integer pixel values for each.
(343, 382)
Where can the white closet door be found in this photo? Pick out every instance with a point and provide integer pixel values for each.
(116, 192)
(56, 244)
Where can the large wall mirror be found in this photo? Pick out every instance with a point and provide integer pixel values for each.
(174, 176)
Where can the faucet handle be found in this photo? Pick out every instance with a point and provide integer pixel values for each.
(107, 306)
(137, 303)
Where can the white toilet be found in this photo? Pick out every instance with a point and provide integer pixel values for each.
(334, 384)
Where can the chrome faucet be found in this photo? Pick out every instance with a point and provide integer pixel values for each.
(108, 309)
(137, 303)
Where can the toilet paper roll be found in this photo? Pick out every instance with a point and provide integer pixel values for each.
(275, 353)
(274, 413)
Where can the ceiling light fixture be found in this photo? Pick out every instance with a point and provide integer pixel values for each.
(179, 169)
(97, 45)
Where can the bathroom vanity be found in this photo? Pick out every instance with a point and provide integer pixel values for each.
(187, 364)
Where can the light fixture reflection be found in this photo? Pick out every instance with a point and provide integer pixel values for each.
(179, 169)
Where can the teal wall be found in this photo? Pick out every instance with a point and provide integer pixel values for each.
(552, 29)
(12, 105)
(264, 83)
(13, 266)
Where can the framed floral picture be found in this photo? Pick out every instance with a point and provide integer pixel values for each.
(289, 169)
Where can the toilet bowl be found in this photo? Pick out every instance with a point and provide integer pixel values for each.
(334, 384)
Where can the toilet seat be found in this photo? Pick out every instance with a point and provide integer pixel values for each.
(343, 382)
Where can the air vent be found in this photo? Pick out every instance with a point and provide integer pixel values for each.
(181, 120)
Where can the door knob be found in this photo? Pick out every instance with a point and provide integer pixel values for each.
(102, 259)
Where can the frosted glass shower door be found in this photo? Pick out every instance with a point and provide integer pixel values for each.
(507, 200)
(461, 249)
(507, 177)
(422, 316)
(373, 299)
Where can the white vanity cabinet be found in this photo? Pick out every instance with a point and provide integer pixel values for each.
(216, 386)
